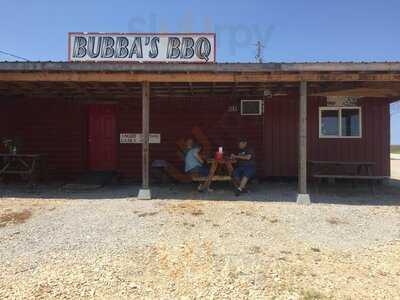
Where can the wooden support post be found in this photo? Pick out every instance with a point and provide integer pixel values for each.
(144, 192)
(303, 197)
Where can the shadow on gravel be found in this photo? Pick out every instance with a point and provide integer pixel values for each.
(267, 191)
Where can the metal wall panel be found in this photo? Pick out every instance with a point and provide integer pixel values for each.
(59, 128)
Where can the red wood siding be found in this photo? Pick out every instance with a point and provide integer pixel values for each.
(177, 119)
(373, 146)
(59, 128)
(281, 136)
(5, 108)
(55, 127)
(130, 155)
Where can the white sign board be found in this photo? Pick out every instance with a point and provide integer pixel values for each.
(142, 47)
(136, 138)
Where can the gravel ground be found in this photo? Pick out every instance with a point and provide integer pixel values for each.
(106, 244)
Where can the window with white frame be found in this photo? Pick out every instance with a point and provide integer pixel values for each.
(340, 122)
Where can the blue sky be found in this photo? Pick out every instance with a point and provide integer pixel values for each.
(291, 30)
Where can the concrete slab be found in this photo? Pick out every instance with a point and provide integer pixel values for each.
(303, 199)
(144, 194)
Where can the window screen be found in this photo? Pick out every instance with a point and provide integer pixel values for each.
(350, 122)
(330, 122)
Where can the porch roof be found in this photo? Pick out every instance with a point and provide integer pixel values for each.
(100, 80)
(200, 67)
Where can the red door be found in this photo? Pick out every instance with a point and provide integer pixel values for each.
(102, 137)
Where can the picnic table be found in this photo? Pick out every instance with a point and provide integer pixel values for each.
(343, 170)
(220, 170)
(27, 166)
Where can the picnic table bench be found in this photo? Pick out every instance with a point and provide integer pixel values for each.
(220, 170)
(27, 166)
(344, 170)
(162, 169)
(197, 178)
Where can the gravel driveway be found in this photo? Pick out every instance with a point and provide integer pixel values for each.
(90, 246)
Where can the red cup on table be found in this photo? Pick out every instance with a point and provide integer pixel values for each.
(219, 155)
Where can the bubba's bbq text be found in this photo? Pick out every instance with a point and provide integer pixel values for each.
(142, 47)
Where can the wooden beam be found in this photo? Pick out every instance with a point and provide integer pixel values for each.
(361, 92)
(199, 76)
(144, 192)
(145, 132)
(303, 197)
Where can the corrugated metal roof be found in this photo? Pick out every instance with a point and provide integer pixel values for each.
(62, 66)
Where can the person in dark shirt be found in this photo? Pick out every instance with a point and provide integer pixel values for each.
(245, 166)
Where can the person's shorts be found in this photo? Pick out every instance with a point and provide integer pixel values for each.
(244, 171)
(201, 170)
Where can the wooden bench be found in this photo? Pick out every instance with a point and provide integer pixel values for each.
(354, 177)
(220, 170)
(349, 176)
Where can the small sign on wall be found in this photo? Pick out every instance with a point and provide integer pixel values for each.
(136, 138)
(233, 108)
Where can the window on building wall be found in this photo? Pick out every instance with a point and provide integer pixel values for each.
(251, 107)
(340, 122)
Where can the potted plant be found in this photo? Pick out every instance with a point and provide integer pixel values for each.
(10, 145)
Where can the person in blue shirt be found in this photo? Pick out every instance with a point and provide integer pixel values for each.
(194, 163)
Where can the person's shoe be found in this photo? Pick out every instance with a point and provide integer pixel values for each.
(237, 192)
(245, 191)
(200, 188)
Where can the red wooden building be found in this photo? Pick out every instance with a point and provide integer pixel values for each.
(75, 112)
